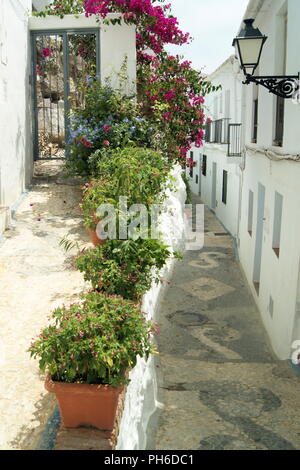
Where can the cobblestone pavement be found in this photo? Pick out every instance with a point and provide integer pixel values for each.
(35, 277)
(221, 387)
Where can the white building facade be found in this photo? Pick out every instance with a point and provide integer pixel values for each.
(269, 234)
(261, 208)
(15, 105)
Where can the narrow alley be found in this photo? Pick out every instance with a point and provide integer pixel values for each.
(221, 387)
(116, 119)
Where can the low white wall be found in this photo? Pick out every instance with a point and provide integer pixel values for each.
(141, 396)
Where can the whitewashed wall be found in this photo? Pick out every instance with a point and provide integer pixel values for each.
(141, 397)
(279, 293)
(15, 103)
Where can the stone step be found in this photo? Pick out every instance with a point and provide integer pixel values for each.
(84, 439)
(4, 218)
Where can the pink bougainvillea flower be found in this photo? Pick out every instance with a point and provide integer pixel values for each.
(170, 95)
(167, 116)
(47, 52)
(85, 142)
(183, 151)
(106, 143)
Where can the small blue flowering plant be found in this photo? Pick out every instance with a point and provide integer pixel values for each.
(108, 121)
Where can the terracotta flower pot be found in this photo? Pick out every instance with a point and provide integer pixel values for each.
(86, 405)
(94, 237)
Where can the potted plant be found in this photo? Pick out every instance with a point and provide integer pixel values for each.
(86, 353)
(95, 193)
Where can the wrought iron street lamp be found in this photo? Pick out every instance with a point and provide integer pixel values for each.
(249, 45)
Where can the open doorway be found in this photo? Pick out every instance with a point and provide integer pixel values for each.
(63, 63)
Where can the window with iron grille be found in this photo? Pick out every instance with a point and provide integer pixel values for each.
(217, 131)
(221, 132)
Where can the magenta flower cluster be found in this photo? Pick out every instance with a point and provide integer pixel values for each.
(159, 26)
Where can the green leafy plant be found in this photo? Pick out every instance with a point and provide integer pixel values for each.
(125, 268)
(95, 193)
(94, 341)
(108, 120)
(139, 173)
(142, 175)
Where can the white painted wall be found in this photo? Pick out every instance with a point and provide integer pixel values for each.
(40, 4)
(15, 102)
(141, 397)
(279, 276)
(117, 44)
(224, 103)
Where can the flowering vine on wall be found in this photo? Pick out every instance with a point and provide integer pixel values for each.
(171, 93)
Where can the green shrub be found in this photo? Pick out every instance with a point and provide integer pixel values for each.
(139, 173)
(125, 268)
(94, 341)
(94, 194)
(109, 120)
(142, 175)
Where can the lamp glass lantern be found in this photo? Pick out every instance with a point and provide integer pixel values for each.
(249, 44)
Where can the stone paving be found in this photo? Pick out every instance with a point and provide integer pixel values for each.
(221, 387)
(35, 277)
